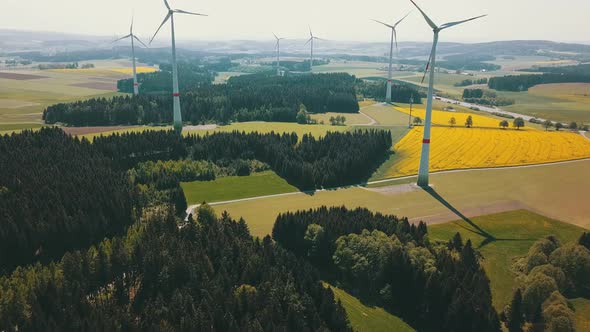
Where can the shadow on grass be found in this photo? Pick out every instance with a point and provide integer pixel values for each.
(488, 237)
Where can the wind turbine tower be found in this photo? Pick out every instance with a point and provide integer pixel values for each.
(133, 39)
(425, 158)
(393, 37)
(175, 92)
(278, 46)
(310, 41)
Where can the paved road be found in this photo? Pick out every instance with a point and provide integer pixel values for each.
(491, 109)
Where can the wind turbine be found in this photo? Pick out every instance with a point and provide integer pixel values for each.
(175, 92)
(278, 45)
(310, 40)
(393, 37)
(424, 159)
(133, 38)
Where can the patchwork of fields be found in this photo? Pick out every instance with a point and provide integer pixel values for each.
(24, 94)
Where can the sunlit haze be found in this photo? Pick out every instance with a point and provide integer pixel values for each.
(330, 19)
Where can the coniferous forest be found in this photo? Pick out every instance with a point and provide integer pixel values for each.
(57, 193)
(261, 97)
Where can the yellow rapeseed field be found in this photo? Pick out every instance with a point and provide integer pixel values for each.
(140, 70)
(443, 118)
(462, 148)
(106, 71)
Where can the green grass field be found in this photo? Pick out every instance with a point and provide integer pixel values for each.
(365, 318)
(516, 232)
(358, 68)
(351, 118)
(235, 187)
(386, 115)
(559, 102)
(556, 191)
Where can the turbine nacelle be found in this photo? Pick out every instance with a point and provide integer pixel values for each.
(171, 12)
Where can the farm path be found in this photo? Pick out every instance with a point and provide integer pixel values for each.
(373, 121)
(403, 187)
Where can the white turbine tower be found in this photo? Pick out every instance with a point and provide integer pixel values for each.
(310, 40)
(278, 46)
(133, 38)
(393, 37)
(424, 159)
(175, 92)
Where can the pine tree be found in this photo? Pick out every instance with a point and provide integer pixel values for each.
(515, 317)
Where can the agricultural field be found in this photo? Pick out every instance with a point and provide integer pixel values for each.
(462, 148)
(550, 190)
(516, 232)
(236, 187)
(559, 102)
(24, 94)
(358, 68)
(443, 118)
(351, 118)
(386, 115)
(365, 318)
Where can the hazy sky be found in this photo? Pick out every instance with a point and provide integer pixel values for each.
(565, 20)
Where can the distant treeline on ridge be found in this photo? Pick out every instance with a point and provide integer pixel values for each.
(260, 97)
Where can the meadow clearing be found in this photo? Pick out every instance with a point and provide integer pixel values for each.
(235, 187)
(554, 191)
(461, 148)
(351, 118)
(366, 318)
(516, 231)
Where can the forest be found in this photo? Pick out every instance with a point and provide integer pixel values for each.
(524, 82)
(336, 159)
(57, 194)
(401, 92)
(190, 77)
(208, 275)
(387, 261)
(259, 97)
(549, 272)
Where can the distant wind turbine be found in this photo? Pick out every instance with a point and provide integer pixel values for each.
(133, 38)
(424, 159)
(175, 92)
(310, 40)
(393, 37)
(278, 46)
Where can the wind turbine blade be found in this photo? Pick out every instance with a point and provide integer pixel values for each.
(310, 33)
(180, 11)
(387, 25)
(428, 64)
(131, 28)
(277, 38)
(167, 5)
(308, 41)
(139, 40)
(452, 24)
(400, 21)
(125, 37)
(163, 22)
(428, 20)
